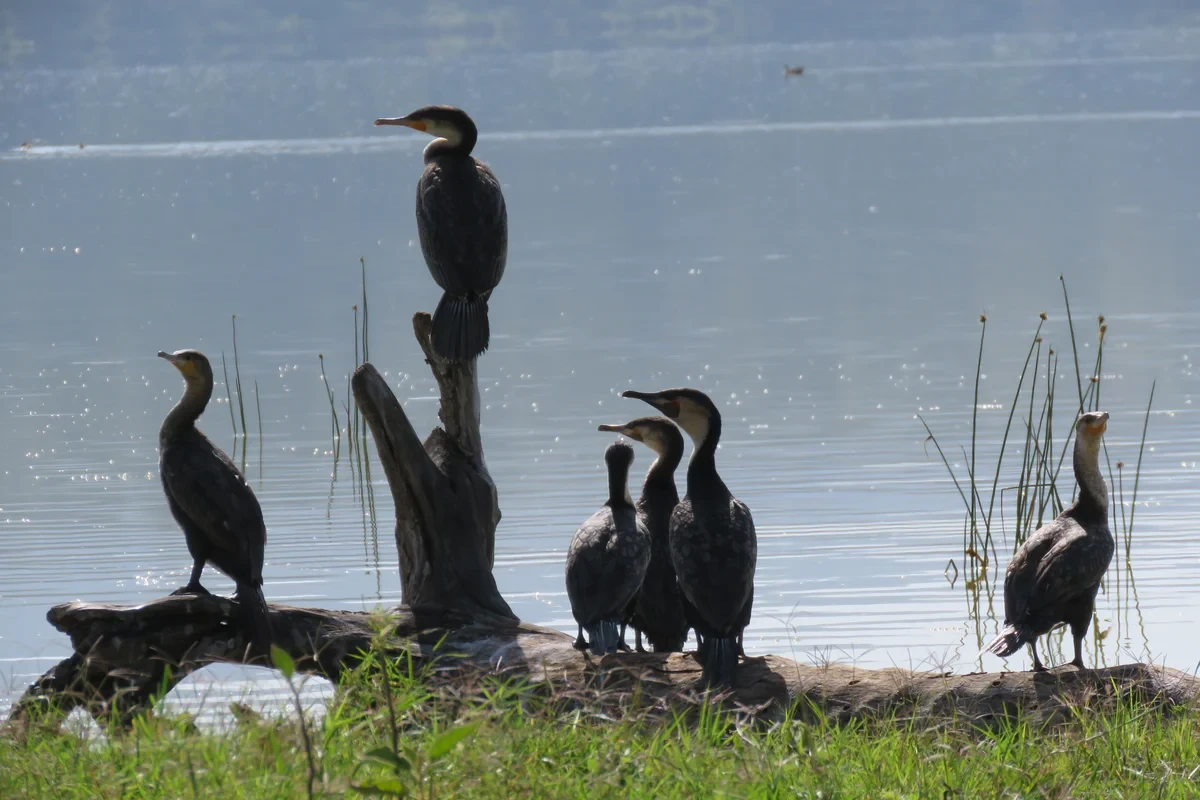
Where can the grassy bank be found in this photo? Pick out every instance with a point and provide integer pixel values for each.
(402, 738)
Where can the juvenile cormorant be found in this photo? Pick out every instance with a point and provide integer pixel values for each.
(607, 560)
(211, 501)
(713, 546)
(1055, 574)
(657, 609)
(463, 226)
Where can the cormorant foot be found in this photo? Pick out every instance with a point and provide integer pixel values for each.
(580, 644)
(191, 589)
(1039, 668)
(1078, 662)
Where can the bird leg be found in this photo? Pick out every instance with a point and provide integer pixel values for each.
(1078, 660)
(621, 641)
(193, 585)
(638, 633)
(580, 642)
(1037, 662)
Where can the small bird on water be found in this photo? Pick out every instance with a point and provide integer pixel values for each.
(1055, 574)
(211, 501)
(462, 222)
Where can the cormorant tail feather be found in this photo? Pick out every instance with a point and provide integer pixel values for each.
(603, 636)
(1010, 640)
(460, 327)
(719, 658)
(256, 618)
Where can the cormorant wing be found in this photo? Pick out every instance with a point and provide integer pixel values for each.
(208, 488)
(1021, 576)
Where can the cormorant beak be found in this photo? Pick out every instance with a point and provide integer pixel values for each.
(664, 404)
(174, 359)
(415, 124)
(632, 433)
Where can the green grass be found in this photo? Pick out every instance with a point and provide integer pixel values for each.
(493, 739)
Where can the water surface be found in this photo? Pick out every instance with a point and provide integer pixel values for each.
(814, 253)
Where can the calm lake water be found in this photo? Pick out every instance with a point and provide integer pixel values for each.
(813, 252)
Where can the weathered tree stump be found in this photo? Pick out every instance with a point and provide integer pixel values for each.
(446, 504)
(446, 516)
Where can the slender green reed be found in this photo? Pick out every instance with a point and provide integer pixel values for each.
(258, 407)
(333, 441)
(237, 373)
(229, 402)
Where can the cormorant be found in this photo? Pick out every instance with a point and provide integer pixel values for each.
(1055, 574)
(713, 546)
(657, 609)
(463, 226)
(607, 560)
(211, 501)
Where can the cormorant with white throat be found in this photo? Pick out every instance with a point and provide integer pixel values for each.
(1055, 574)
(463, 226)
(211, 501)
(713, 545)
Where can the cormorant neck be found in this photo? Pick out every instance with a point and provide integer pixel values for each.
(190, 406)
(662, 471)
(460, 143)
(704, 454)
(1093, 492)
(618, 487)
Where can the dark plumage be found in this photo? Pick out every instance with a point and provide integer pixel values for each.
(1055, 574)
(607, 560)
(657, 609)
(211, 501)
(463, 226)
(713, 546)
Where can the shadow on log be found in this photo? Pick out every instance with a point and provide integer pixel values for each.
(446, 516)
(122, 654)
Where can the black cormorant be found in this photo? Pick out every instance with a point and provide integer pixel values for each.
(713, 546)
(607, 560)
(1055, 574)
(210, 499)
(657, 609)
(463, 226)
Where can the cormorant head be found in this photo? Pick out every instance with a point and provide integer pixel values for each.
(192, 364)
(618, 457)
(1091, 426)
(440, 122)
(691, 409)
(657, 433)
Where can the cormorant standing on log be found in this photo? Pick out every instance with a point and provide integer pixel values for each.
(657, 609)
(463, 226)
(607, 560)
(1055, 574)
(211, 501)
(713, 546)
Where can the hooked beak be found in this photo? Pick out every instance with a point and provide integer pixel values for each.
(174, 359)
(623, 430)
(415, 124)
(656, 399)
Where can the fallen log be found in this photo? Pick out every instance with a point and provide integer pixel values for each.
(126, 656)
(446, 515)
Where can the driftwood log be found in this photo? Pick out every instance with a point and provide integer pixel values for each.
(446, 516)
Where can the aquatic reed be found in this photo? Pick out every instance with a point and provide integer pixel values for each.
(1040, 494)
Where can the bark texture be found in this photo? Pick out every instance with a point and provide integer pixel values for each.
(122, 655)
